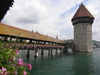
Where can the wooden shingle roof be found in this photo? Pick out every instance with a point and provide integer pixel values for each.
(82, 12)
(13, 31)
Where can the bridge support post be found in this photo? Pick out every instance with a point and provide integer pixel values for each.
(66, 47)
(61, 50)
(28, 53)
(42, 52)
(36, 53)
(49, 52)
(56, 51)
(66, 50)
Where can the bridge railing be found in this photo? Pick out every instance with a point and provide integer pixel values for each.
(30, 46)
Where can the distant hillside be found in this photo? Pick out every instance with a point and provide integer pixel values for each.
(96, 43)
(70, 40)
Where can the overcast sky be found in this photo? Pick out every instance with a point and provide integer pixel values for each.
(51, 17)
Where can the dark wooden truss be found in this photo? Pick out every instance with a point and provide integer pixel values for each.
(4, 7)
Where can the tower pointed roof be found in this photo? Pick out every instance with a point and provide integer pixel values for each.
(82, 12)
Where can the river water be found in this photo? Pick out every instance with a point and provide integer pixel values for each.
(71, 63)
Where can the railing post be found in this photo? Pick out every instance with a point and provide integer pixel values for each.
(21, 40)
(30, 41)
(10, 39)
(5, 39)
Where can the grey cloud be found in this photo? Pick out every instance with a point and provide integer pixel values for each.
(27, 20)
(94, 33)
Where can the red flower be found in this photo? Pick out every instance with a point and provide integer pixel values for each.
(26, 64)
(29, 66)
(10, 60)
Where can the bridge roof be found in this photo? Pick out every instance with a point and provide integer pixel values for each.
(82, 12)
(13, 31)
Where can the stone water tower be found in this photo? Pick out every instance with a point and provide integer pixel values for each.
(82, 22)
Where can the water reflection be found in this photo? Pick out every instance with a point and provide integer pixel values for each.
(83, 64)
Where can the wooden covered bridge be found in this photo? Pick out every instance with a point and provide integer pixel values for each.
(28, 40)
(24, 39)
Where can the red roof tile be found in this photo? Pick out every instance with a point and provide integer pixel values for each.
(82, 12)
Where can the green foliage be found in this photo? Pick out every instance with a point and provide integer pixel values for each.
(8, 66)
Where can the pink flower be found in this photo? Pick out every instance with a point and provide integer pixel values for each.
(29, 66)
(15, 72)
(16, 51)
(24, 72)
(5, 73)
(3, 69)
(21, 62)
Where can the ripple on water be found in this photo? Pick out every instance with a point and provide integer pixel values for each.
(64, 63)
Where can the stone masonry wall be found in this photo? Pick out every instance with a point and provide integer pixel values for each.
(83, 37)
